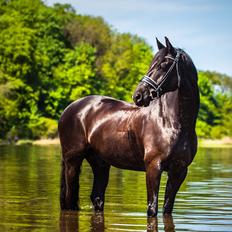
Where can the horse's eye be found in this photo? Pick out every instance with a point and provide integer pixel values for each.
(164, 65)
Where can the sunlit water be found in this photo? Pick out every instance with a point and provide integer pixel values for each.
(29, 195)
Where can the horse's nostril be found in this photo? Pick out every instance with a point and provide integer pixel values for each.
(138, 97)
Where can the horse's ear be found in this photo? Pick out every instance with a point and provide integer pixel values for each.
(169, 46)
(159, 44)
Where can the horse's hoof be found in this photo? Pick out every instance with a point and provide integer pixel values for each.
(151, 211)
(98, 204)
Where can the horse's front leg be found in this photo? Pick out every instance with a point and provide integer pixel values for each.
(176, 176)
(153, 174)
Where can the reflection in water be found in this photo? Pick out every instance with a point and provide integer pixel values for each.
(69, 221)
(152, 224)
(168, 223)
(97, 222)
(29, 195)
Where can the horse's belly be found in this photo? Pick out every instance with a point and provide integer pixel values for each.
(118, 150)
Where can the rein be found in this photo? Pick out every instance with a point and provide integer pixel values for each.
(157, 86)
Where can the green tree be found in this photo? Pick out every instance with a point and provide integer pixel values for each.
(92, 30)
(124, 64)
(51, 56)
(75, 77)
(214, 120)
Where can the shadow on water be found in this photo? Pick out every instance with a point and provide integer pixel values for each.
(69, 222)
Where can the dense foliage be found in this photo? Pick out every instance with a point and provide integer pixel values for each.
(50, 56)
(215, 116)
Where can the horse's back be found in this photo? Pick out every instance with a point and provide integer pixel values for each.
(77, 106)
(83, 106)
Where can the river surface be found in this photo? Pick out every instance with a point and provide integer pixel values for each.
(29, 195)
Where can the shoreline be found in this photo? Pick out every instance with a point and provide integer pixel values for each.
(44, 142)
(206, 143)
(215, 143)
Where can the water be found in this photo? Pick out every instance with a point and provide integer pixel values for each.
(29, 194)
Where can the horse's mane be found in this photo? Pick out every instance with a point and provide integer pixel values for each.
(190, 67)
(189, 87)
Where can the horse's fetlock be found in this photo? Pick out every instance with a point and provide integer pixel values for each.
(152, 210)
(98, 204)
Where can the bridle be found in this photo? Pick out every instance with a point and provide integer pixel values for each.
(157, 86)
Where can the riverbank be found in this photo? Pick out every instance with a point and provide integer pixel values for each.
(225, 142)
(40, 142)
(43, 142)
(206, 143)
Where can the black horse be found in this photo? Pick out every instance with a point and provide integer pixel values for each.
(156, 138)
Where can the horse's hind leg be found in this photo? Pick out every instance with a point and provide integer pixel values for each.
(101, 177)
(176, 176)
(69, 193)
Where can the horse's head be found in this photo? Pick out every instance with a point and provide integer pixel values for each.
(163, 75)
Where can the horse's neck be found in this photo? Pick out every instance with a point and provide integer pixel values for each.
(189, 106)
(167, 107)
(176, 111)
